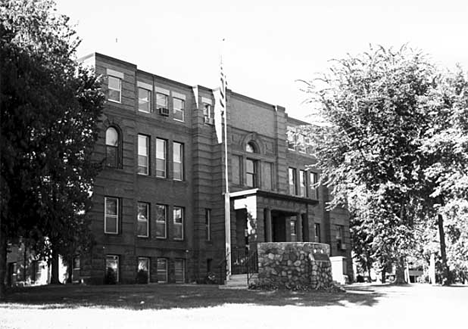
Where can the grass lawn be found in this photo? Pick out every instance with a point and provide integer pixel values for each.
(206, 306)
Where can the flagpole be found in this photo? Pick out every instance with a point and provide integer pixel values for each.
(227, 206)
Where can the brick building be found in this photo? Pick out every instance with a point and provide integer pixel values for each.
(158, 211)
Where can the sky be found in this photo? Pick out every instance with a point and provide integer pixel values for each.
(269, 44)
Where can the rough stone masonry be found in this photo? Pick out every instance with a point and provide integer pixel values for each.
(294, 265)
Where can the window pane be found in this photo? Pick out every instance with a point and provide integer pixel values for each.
(143, 270)
(178, 161)
(179, 270)
(179, 106)
(112, 269)
(144, 100)
(161, 157)
(111, 225)
(161, 101)
(162, 270)
(142, 219)
(111, 156)
(302, 183)
(208, 224)
(178, 216)
(111, 206)
(112, 137)
(114, 89)
(292, 181)
(143, 150)
(161, 221)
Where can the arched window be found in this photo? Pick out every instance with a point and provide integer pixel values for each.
(250, 148)
(112, 147)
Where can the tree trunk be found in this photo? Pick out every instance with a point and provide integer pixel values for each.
(443, 252)
(3, 263)
(400, 271)
(55, 268)
(383, 274)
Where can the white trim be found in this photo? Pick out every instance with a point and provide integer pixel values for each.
(207, 101)
(178, 95)
(162, 91)
(243, 193)
(144, 85)
(116, 74)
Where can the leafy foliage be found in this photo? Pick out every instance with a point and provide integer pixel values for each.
(382, 150)
(50, 108)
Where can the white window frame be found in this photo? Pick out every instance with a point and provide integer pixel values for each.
(158, 159)
(176, 224)
(115, 217)
(119, 76)
(181, 109)
(178, 158)
(159, 222)
(166, 98)
(142, 101)
(141, 219)
(143, 154)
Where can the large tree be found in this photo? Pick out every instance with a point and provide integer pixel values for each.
(50, 109)
(381, 107)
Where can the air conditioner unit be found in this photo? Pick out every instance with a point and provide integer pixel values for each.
(164, 111)
(343, 246)
(209, 120)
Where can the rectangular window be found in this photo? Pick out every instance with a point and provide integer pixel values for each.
(292, 181)
(143, 271)
(162, 270)
(179, 270)
(235, 162)
(114, 89)
(313, 180)
(144, 100)
(162, 103)
(161, 152)
(143, 155)
(161, 221)
(178, 216)
(208, 224)
(179, 109)
(143, 220)
(317, 232)
(251, 173)
(339, 236)
(207, 112)
(303, 183)
(178, 161)
(112, 269)
(111, 216)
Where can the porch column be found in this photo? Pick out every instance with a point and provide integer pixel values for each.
(299, 236)
(268, 231)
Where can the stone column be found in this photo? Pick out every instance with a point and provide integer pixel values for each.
(267, 219)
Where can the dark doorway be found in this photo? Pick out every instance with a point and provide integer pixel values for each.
(278, 227)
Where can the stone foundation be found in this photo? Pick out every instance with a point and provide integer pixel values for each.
(293, 265)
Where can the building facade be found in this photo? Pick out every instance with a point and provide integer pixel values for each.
(159, 213)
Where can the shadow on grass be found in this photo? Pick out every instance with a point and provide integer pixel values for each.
(155, 296)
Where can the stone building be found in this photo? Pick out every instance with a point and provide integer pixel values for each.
(158, 213)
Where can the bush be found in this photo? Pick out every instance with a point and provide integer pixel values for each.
(111, 277)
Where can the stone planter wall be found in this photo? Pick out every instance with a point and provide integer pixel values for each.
(293, 265)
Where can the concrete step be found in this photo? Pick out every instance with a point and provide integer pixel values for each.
(237, 281)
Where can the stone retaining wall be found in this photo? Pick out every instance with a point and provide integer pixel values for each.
(293, 265)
